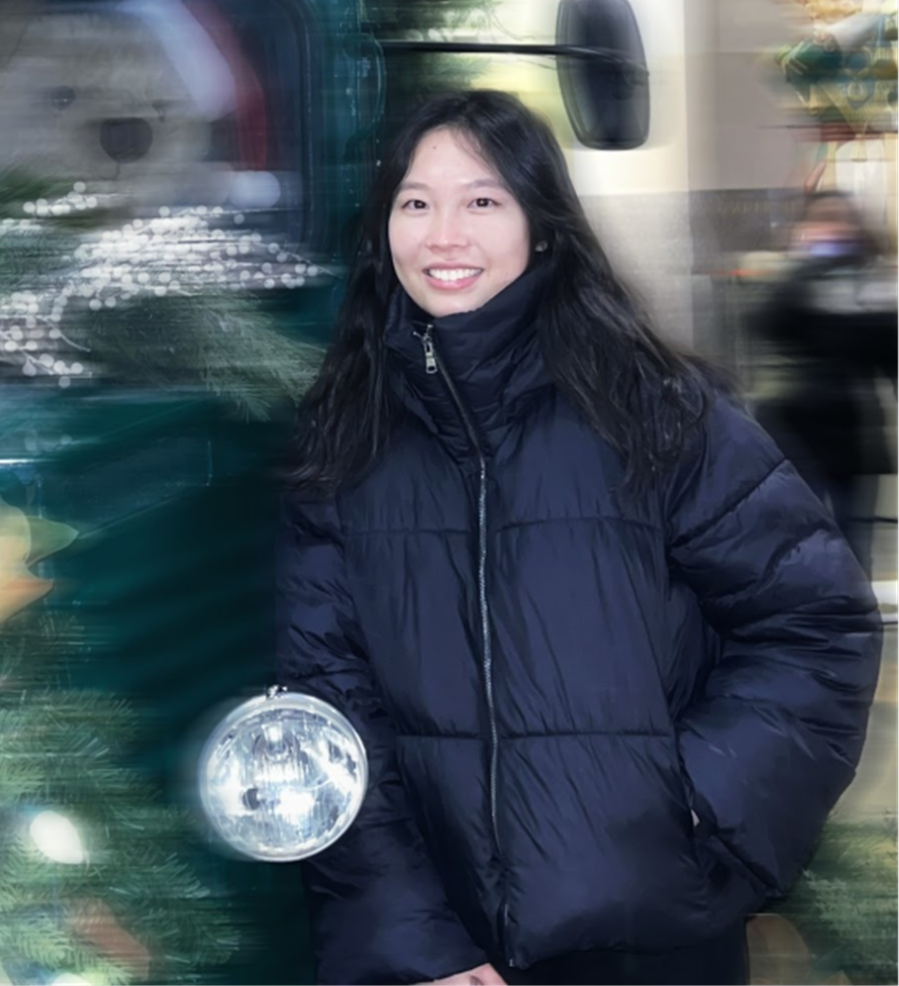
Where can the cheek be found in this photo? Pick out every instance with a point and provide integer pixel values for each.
(519, 252)
(401, 243)
(392, 239)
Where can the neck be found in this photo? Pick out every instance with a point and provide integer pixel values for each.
(488, 359)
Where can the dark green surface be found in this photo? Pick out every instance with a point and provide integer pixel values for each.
(171, 582)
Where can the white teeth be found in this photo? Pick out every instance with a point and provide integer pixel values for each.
(453, 275)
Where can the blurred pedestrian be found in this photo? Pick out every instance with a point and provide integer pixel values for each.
(831, 321)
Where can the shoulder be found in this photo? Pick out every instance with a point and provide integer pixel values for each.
(725, 458)
(728, 432)
(303, 514)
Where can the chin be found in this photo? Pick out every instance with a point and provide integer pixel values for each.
(455, 307)
(455, 304)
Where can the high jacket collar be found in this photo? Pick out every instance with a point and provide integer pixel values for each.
(490, 359)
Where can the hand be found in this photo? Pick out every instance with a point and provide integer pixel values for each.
(484, 975)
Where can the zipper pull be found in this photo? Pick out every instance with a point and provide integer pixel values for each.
(427, 344)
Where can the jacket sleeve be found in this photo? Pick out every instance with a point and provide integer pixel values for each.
(775, 734)
(379, 911)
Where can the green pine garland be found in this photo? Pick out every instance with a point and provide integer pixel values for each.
(845, 903)
(221, 342)
(63, 750)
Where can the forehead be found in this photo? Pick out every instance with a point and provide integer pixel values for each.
(449, 147)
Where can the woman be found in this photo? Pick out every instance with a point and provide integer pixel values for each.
(611, 661)
(831, 323)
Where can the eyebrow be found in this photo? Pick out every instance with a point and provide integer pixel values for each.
(421, 186)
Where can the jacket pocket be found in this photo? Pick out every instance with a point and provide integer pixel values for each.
(715, 858)
(699, 825)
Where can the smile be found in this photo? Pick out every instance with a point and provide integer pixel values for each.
(453, 275)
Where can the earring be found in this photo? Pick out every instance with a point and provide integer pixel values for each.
(540, 247)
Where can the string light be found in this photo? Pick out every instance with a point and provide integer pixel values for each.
(176, 253)
(57, 838)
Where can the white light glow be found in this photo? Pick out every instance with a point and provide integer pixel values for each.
(295, 805)
(57, 838)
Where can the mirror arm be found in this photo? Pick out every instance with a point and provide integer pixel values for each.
(636, 73)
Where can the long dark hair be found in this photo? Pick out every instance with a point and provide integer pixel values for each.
(633, 388)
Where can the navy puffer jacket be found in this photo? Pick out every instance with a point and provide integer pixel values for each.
(549, 680)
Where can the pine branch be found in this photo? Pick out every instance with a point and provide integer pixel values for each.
(845, 903)
(63, 750)
(224, 342)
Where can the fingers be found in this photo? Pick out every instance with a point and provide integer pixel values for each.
(484, 975)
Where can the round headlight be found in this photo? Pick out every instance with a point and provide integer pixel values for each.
(282, 776)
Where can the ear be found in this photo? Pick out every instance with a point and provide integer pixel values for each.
(15, 15)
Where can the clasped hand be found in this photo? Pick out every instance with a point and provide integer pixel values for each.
(483, 975)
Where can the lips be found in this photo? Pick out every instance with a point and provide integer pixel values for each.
(452, 277)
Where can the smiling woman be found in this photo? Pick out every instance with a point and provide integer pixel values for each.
(610, 658)
(457, 234)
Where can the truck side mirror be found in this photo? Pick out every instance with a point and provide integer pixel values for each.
(606, 98)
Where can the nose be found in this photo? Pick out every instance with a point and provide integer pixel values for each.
(126, 139)
(448, 230)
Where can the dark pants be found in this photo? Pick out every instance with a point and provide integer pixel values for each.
(718, 962)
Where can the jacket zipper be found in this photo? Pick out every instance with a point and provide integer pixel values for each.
(433, 365)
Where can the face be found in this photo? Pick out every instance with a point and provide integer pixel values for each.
(828, 229)
(457, 234)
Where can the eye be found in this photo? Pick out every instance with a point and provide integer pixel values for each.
(61, 97)
(484, 203)
(414, 205)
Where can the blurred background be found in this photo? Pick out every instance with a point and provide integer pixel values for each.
(178, 180)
